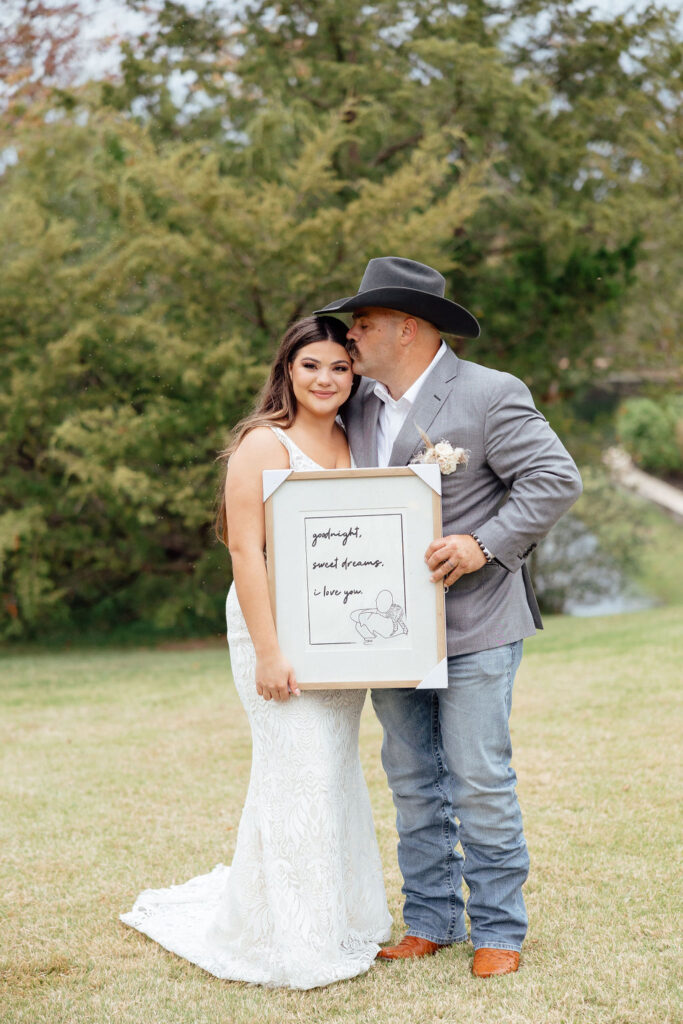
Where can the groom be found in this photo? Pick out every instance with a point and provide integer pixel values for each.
(447, 752)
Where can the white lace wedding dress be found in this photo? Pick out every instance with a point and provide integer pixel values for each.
(303, 903)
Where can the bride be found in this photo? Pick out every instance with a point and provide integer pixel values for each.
(303, 903)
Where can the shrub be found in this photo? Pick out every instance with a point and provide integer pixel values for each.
(648, 431)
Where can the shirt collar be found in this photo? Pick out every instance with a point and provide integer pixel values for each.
(408, 397)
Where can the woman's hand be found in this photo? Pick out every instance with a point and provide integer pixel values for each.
(275, 679)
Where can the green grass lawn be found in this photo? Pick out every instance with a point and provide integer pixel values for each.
(125, 770)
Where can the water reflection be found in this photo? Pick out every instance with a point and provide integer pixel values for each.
(571, 574)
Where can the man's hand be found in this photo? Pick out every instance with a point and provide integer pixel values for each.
(451, 557)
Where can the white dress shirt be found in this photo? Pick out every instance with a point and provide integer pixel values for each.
(392, 414)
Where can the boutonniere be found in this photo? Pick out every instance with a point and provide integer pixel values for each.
(443, 454)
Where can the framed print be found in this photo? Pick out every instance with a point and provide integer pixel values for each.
(352, 599)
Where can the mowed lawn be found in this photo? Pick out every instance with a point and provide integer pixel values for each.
(127, 769)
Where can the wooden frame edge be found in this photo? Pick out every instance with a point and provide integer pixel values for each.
(270, 540)
(321, 474)
(440, 591)
(385, 684)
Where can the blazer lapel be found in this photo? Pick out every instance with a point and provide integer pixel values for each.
(430, 398)
(368, 453)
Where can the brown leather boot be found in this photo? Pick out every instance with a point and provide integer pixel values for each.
(410, 946)
(494, 961)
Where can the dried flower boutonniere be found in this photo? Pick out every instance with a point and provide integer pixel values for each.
(443, 454)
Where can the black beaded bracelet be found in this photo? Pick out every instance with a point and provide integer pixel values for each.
(485, 551)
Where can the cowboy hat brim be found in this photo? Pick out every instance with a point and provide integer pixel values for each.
(446, 316)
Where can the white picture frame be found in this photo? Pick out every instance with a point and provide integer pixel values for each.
(352, 600)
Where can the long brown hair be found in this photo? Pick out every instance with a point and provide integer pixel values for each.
(276, 404)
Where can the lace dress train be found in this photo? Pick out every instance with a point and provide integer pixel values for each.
(303, 903)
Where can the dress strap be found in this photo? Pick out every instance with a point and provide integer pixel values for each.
(282, 437)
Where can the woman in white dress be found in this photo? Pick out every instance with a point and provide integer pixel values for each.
(303, 903)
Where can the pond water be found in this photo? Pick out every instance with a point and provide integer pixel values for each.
(614, 604)
(573, 575)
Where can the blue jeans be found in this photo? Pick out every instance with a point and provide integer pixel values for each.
(447, 757)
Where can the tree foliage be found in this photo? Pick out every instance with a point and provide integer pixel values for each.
(140, 299)
(652, 432)
(163, 228)
(576, 115)
(39, 46)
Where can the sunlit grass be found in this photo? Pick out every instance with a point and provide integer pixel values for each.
(123, 770)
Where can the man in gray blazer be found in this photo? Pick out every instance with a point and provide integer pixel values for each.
(447, 752)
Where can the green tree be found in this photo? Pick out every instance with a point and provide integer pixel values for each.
(652, 432)
(158, 243)
(575, 115)
(141, 293)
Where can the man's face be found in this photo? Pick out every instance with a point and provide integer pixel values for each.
(374, 336)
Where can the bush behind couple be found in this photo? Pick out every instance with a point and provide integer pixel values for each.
(303, 902)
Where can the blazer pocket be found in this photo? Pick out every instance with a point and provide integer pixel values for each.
(473, 580)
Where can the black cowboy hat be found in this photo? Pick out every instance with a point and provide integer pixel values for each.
(395, 283)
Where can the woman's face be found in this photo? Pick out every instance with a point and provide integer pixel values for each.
(321, 376)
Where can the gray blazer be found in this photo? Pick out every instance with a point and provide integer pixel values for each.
(519, 480)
